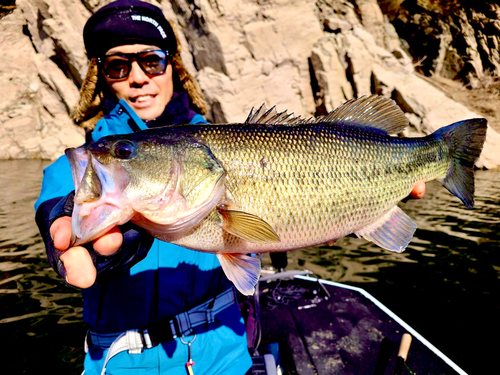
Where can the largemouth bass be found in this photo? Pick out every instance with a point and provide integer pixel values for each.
(273, 183)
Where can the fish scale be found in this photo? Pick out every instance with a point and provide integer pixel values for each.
(274, 183)
(326, 196)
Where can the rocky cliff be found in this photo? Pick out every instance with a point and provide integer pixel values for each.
(307, 56)
(457, 39)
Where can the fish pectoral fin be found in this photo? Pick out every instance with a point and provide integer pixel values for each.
(248, 227)
(242, 270)
(393, 231)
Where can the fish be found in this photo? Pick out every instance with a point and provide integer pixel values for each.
(276, 182)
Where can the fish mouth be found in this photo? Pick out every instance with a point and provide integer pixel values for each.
(88, 224)
(78, 159)
(99, 204)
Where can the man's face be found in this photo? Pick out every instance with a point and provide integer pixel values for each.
(148, 95)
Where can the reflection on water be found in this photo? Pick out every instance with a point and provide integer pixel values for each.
(446, 284)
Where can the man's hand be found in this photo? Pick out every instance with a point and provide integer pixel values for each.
(418, 190)
(80, 270)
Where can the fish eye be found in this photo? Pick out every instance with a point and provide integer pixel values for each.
(123, 150)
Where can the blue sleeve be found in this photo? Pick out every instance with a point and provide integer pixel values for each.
(57, 181)
(198, 119)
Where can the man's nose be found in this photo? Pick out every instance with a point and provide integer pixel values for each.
(137, 76)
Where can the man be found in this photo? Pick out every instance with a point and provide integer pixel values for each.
(150, 306)
(180, 300)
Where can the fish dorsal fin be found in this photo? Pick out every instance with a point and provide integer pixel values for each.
(272, 117)
(242, 270)
(393, 231)
(373, 111)
(261, 115)
(248, 227)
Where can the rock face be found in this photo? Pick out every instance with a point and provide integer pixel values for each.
(42, 62)
(306, 56)
(457, 39)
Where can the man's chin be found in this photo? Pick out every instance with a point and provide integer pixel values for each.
(147, 114)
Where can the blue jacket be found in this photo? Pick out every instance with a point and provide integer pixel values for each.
(146, 281)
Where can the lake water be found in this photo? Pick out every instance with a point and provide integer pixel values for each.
(446, 285)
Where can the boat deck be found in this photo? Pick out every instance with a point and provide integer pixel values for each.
(327, 329)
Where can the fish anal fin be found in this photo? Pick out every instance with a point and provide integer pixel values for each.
(243, 270)
(247, 226)
(393, 231)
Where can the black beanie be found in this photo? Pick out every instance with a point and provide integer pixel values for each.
(125, 22)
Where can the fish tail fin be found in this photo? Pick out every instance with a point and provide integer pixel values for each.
(465, 140)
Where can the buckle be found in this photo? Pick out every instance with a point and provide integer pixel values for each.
(135, 341)
(210, 316)
(148, 341)
(156, 333)
(174, 328)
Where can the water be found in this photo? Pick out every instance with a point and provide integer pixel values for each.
(446, 285)
(40, 319)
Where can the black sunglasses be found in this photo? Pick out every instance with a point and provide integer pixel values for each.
(119, 65)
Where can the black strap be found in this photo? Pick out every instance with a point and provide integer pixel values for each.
(162, 331)
(169, 328)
